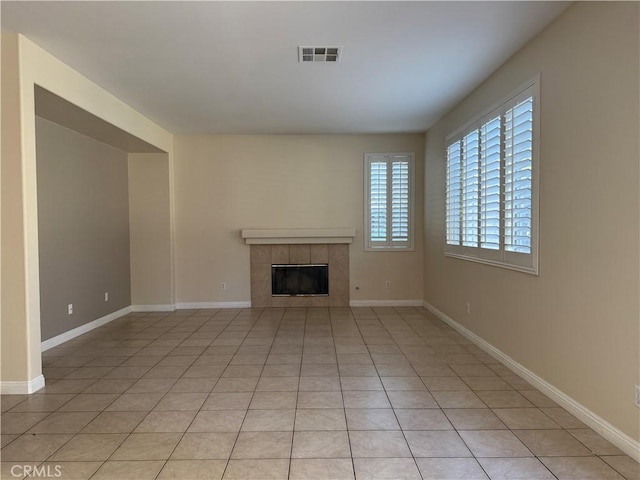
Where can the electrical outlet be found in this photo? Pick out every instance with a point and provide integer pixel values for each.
(70, 309)
(387, 284)
(637, 398)
(106, 296)
(223, 286)
(468, 308)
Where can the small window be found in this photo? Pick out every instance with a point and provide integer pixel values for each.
(389, 201)
(491, 185)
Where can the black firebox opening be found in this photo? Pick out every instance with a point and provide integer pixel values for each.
(300, 280)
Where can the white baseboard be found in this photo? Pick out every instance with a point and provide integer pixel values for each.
(153, 308)
(87, 327)
(171, 307)
(385, 303)
(247, 304)
(614, 435)
(22, 388)
(189, 305)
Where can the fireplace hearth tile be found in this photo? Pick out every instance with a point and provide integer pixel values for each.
(260, 254)
(338, 301)
(319, 253)
(338, 252)
(280, 254)
(320, 302)
(299, 254)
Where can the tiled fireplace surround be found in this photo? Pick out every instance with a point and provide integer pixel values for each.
(334, 254)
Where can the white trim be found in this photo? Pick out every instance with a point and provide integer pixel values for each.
(614, 435)
(87, 327)
(22, 388)
(527, 263)
(297, 235)
(153, 308)
(495, 263)
(389, 245)
(190, 305)
(385, 303)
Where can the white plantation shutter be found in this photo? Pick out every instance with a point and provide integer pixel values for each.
(378, 200)
(491, 192)
(518, 177)
(399, 199)
(470, 188)
(490, 184)
(454, 191)
(388, 200)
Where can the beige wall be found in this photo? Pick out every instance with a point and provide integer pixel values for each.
(150, 229)
(226, 183)
(576, 325)
(16, 359)
(25, 65)
(83, 227)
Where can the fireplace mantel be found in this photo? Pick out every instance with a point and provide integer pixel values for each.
(298, 235)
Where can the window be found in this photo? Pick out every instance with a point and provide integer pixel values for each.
(492, 185)
(389, 201)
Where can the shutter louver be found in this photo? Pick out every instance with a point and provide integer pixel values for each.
(470, 188)
(490, 184)
(400, 200)
(378, 201)
(518, 177)
(453, 206)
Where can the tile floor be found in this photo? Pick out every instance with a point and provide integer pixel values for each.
(292, 393)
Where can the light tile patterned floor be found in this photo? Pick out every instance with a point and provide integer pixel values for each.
(292, 394)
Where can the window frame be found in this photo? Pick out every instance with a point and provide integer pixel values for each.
(389, 245)
(522, 262)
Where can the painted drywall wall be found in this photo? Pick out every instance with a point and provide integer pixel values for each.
(576, 325)
(83, 225)
(15, 364)
(57, 109)
(24, 65)
(150, 229)
(227, 183)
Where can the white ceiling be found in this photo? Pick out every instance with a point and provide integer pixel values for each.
(232, 67)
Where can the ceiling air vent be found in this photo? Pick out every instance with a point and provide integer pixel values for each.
(319, 54)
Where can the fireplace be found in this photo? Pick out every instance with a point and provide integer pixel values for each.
(305, 280)
(326, 248)
(334, 256)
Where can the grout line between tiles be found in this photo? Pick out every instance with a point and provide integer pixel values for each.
(396, 323)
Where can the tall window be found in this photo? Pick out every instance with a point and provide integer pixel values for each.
(389, 201)
(491, 185)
